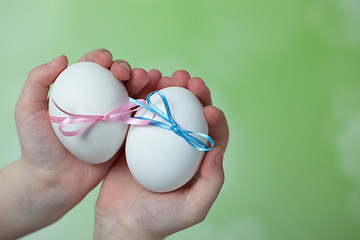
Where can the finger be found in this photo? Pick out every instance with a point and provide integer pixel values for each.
(218, 130)
(154, 76)
(218, 126)
(201, 91)
(206, 189)
(137, 81)
(33, 97)
(100, 56)
(164, 82)
(121, 70)
(180, 78)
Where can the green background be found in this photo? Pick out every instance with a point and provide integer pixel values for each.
(286, 74)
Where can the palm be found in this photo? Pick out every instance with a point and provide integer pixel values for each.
(41, 148)
(50, 155)
(123, 199)
(47, 155)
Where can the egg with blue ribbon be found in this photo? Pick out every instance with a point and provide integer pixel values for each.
(165, 154)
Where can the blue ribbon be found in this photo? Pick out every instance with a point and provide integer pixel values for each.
(171, 124)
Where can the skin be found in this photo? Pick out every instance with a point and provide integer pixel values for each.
(132, 212)
(47, 181)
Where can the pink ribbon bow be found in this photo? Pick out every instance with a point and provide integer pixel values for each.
(120, 114)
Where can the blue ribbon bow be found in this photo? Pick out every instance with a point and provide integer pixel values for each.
(171, 124)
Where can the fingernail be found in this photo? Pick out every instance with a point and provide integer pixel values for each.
(219, 158)
(107, 53)
(125, 65)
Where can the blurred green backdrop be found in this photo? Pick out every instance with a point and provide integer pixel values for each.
(286, 73)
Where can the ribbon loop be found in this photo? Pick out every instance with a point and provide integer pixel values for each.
(189, 136)
(123, 114)
(120, 114)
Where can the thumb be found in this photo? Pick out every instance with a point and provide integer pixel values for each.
(33, 97)
(206, 189)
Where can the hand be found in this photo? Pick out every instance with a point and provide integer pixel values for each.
(126, 210)
(47, 181)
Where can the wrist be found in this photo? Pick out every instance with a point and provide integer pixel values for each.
(111, 229)
(44, 189)
(27, 200)
(26, 203)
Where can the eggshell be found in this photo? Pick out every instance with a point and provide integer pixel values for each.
(160, 160)
(87, 88)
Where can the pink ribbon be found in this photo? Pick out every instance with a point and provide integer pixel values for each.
(120, 114)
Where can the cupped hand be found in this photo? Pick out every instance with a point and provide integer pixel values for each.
(126, 210)
(63, 179)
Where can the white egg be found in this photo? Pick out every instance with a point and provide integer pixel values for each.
(86, 88)
(160, 160)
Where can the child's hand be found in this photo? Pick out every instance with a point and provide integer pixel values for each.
(47, 181)
(126, 210)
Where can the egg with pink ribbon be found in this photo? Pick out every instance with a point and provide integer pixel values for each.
(85, 104)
